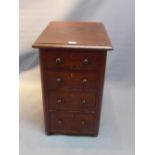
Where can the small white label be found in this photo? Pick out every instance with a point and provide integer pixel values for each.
(72, 42)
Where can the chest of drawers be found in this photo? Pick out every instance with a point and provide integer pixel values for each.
(72, 64)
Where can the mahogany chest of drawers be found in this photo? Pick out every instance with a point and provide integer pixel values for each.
(72, 64)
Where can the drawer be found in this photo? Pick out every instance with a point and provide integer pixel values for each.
(75, 123)
(70, 80)
(70, 60)
(72, 100)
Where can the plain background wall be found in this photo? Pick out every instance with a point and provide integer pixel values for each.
(116, 136)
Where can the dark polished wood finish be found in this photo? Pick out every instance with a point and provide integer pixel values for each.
(72, 64)
(88, 35)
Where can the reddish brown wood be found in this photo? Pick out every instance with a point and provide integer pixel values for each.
(70, 81)
(72, 100)
(90, 35)
(72, 77)
(65, 59)
(72, 123)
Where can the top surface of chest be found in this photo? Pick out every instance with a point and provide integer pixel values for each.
(87, 35)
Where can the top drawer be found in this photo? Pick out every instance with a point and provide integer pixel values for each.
(70, 60)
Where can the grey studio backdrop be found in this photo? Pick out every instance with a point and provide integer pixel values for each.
(116, 136)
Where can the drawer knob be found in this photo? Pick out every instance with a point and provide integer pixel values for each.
(83, 122)
(58, 80)
(83, 101)
(84, 80)
(58, 60)
(60, 122)
(85, 61)
(59, 100)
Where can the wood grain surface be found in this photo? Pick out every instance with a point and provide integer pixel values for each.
(74, 35)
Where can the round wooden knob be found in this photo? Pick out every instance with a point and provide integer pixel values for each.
(58, 60)
(83, 122)
(85, 61)
(60, 122)
(59, 100)
(58, 80)
(84, 80)
(83, 101)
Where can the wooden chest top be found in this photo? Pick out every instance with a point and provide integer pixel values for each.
(90, 35)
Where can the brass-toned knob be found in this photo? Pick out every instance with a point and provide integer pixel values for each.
(59, 100)
(58, 60)
(84, 80)
(83, 122)
(60, 122)
(83, 101)
(85, 61)
(58, 80)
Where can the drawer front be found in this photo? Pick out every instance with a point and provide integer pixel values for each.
(72, 100)
(70, 81)
(71, 60)
(61, 122)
